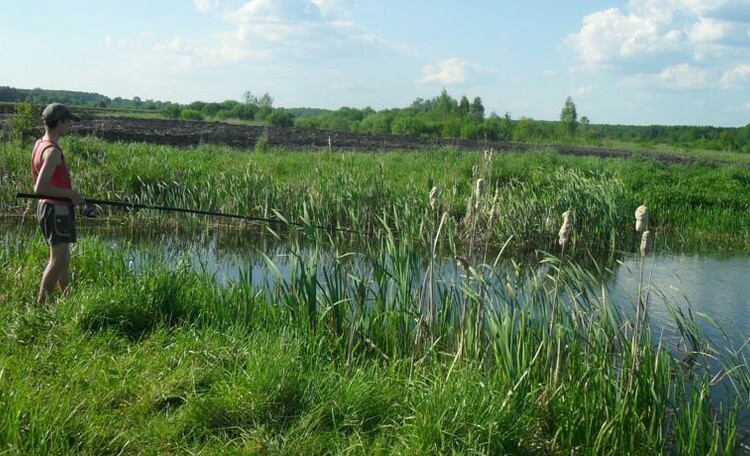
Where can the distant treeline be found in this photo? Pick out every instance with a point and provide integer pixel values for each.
(73, 98)
(444, 116)
(441, 116)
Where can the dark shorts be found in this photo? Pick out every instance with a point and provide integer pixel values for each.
(58, 223)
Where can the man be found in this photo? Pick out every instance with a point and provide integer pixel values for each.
(56, 214)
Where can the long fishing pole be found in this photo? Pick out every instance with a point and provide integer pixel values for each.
(128, 204)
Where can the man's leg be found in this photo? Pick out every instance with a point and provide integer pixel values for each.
(56, 271)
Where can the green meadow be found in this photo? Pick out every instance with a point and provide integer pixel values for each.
(375, 353)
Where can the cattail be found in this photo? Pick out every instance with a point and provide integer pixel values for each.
(444, 218)
(488, 156)
(494, 204)
(645, 242)
(565, 229)
(641, 218)
(434, 197)
(479, 190)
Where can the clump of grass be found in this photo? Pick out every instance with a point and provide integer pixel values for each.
(135, 310)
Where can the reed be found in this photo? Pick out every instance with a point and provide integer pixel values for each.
(355, 190)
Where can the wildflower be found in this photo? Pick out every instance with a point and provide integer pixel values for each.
(565, 229)
(434, 197)
(645, 242)
(641, 218)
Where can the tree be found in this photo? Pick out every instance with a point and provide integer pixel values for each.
(505, 128)
(477, 109)
(526, 130)
(445, 105)
(265, 101)
(585, 122)
(405, 124)
(250, 99)
(378, 123)
(568, 120)
(464, 107)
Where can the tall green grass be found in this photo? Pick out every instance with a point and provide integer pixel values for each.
(694, 205)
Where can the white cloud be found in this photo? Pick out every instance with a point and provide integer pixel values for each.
(683, 76)
(446, 72)
(292, 31)
(661, 41)
(334, 8)
(277, 20)
(675, 77)
(453, 71)
(205, 5)
(611, 36)
(708, 30)
(739, 76)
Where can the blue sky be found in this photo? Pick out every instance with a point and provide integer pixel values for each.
(671, 62)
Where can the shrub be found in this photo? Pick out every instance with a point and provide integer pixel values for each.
(25, 122)
(280, 118)
(170, 112)
(191, 114)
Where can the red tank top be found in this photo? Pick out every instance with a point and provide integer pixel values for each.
(61, 176)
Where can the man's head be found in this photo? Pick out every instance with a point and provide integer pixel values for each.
(55, 113)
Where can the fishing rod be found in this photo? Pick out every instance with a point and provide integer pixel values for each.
(128, 204)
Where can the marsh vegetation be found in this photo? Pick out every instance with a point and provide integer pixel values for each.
(407, 338)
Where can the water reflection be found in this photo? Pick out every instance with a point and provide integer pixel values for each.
(713, 287)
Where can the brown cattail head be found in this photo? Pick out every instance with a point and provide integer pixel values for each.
(567, 226)
(645, 243)
(641, 218)
(434, 197)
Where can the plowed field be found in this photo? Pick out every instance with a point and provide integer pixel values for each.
(191, 133)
